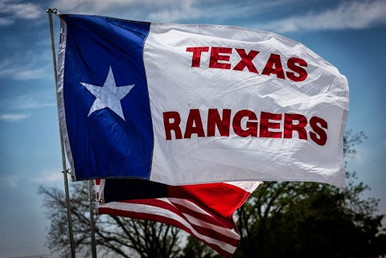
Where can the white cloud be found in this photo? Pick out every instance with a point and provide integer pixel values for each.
(150, 10)
(17, 108)
(24, 11)
(10, 180)
(180, 10)
(32, 101)
(166, 10)
(92, 6)
(21, 73)
(349, 15)
(45, 176)
(5, 21)
(26, 65)
(15, 10)
(13, 117)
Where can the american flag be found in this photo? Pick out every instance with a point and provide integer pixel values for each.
(204, 211)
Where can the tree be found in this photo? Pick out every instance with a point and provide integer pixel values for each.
(195, 248)
(115, 236)
(293, 219)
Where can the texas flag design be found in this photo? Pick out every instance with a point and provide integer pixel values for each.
(188, 104)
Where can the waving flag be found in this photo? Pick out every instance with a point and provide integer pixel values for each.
(205, 211)
(188, 104)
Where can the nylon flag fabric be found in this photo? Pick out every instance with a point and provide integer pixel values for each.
(189, 104)
(204, 210)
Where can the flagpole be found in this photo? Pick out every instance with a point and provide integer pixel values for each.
(92, 223)
(64, 165)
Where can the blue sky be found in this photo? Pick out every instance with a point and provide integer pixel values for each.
(349, 34)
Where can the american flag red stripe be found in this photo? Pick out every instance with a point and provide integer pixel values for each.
(217, 231)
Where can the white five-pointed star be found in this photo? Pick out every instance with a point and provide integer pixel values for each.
(109, 95)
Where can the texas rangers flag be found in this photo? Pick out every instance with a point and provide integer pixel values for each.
(188, 104)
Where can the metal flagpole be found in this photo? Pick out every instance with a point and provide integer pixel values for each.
(64, 165)
(92, 223)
